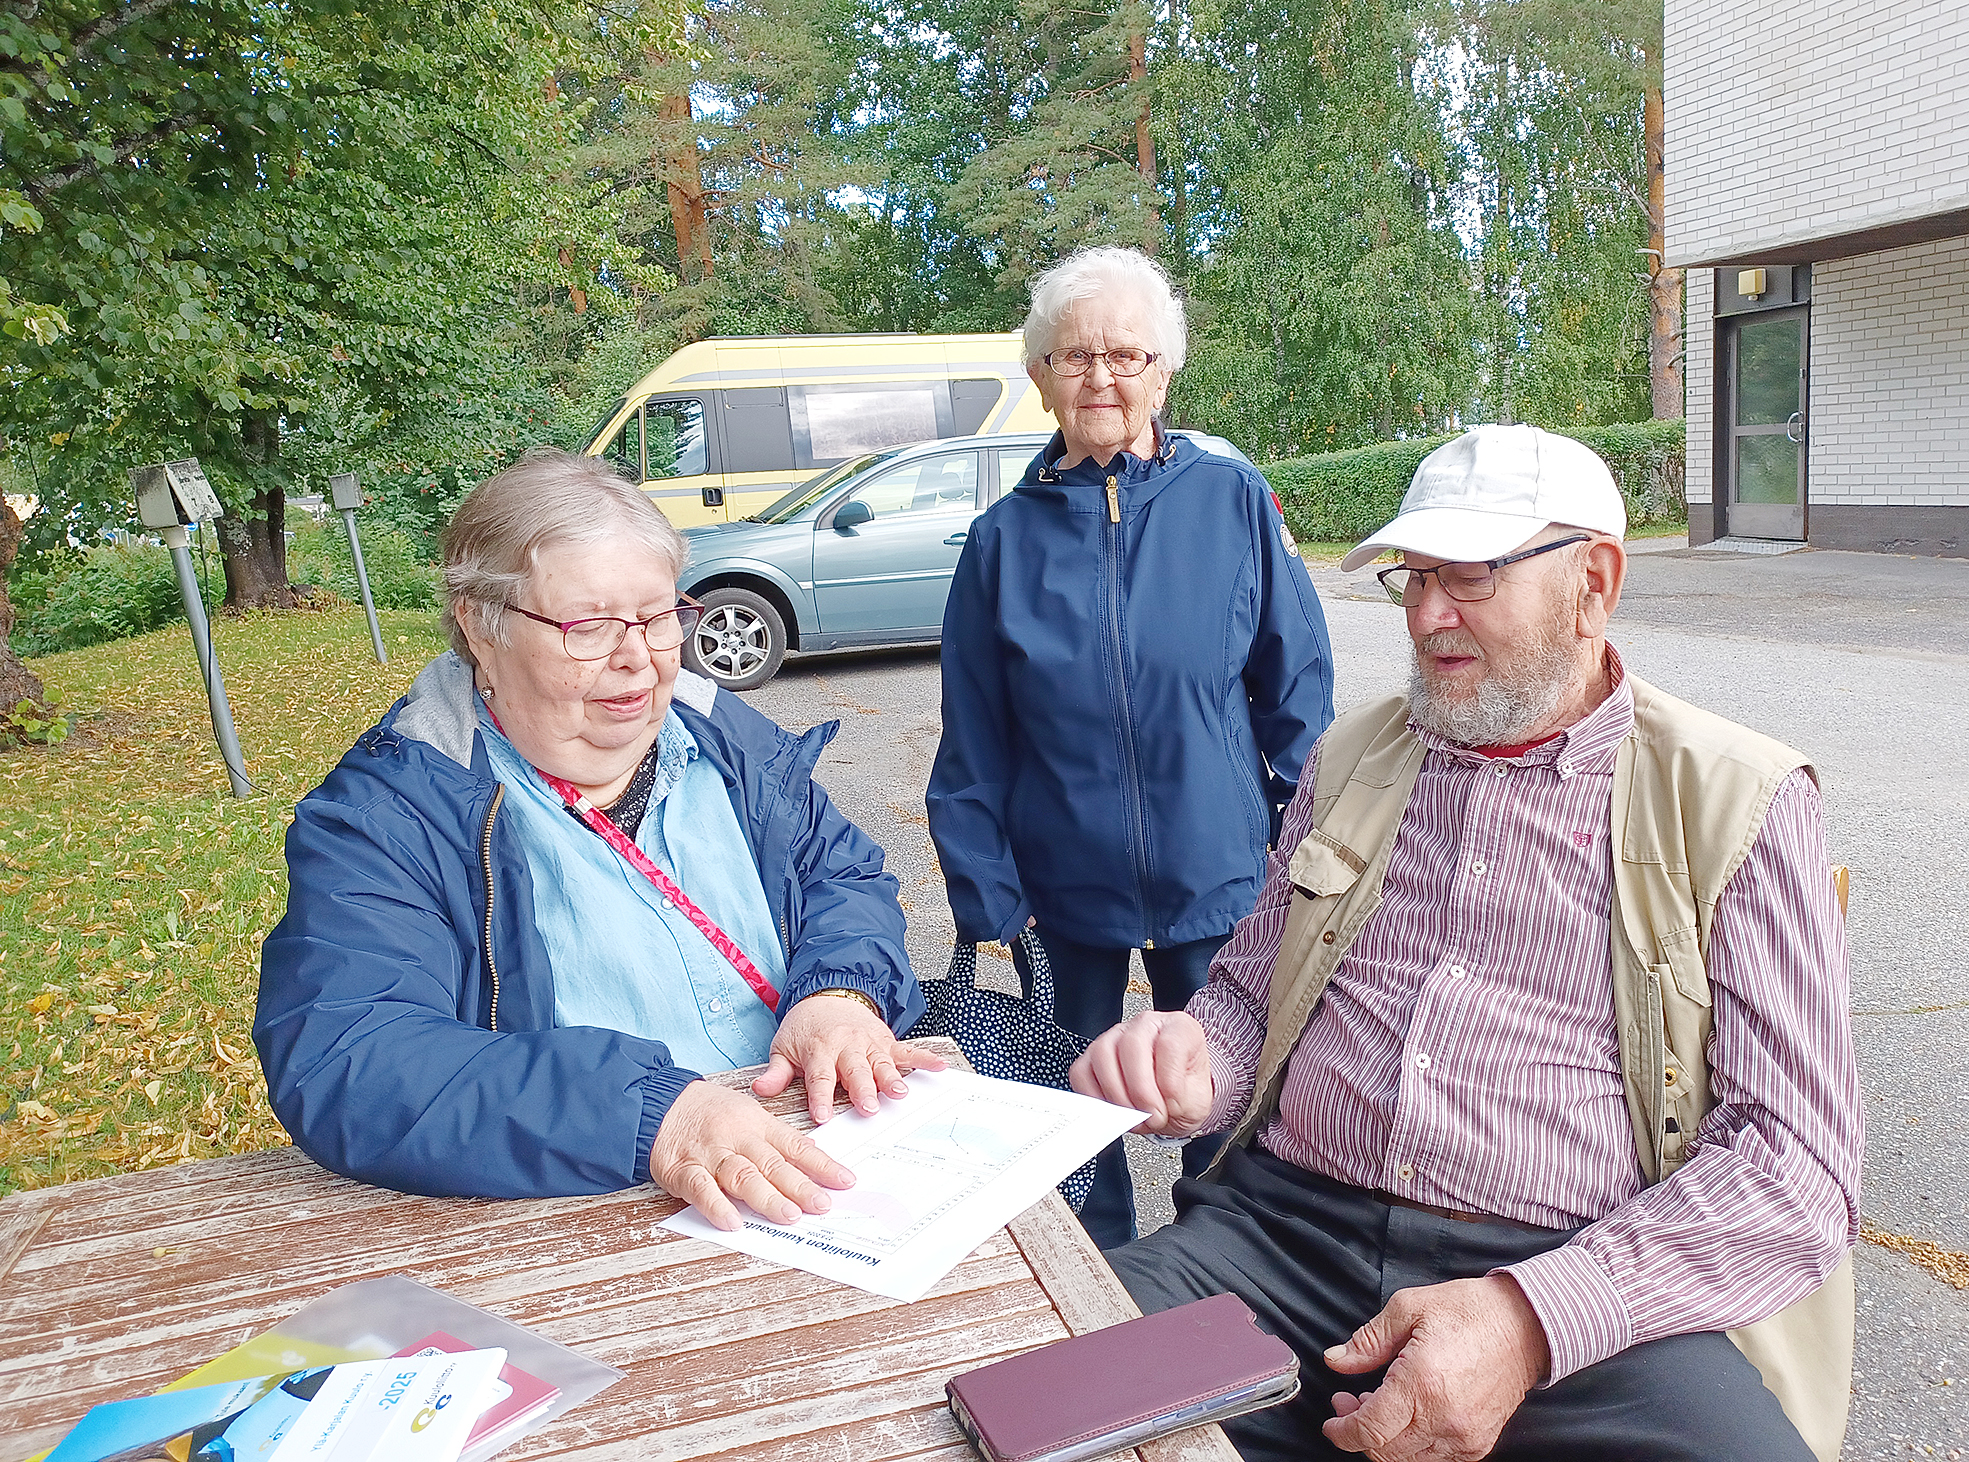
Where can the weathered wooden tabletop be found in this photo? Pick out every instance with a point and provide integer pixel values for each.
(113, 1287)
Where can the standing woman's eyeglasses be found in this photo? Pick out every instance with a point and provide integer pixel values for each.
(1125, 362)
(599, 638)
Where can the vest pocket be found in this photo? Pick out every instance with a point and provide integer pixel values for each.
(1321, 867)
(1683, 955)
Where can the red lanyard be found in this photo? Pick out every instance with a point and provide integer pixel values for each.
(595, 818)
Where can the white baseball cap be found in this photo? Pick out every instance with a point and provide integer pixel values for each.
(1492, 489)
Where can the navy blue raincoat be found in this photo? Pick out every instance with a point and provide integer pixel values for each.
(406, 1010)
(1133, 677)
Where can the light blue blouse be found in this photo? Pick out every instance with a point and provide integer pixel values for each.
(624, 957)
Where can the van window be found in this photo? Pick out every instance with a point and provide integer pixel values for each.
(758, 433)
(847, 422)
(676, 437)
(626, 450)
(971, 403)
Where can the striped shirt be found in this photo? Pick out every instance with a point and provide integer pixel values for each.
(1464, 1054)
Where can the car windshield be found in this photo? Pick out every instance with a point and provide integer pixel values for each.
(817, 486)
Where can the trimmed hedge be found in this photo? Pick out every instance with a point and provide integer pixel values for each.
(1341, 497)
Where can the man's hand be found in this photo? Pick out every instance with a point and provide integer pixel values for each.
(1460, 1356)
(1157, 1063)
(715, 1142)
(826, 1040)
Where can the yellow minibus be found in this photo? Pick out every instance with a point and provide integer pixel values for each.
(723, 427)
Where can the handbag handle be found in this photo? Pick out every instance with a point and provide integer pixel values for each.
(963, 971)
(1041, 968)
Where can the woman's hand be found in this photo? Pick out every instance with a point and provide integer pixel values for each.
(826, 1040)
(716, 1142)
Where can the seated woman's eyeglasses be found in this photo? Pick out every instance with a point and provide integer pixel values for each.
(599, 638)
(1466, 583)
(1124, 362)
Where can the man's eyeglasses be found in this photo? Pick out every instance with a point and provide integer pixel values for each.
(599, 638)
(1467, 583)
(1124, 362)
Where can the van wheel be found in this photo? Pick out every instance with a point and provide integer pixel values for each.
(739, 642)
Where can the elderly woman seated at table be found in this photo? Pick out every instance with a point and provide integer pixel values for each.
(560, 879)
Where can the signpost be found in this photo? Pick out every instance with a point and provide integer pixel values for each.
(169, 496)
(346, 493)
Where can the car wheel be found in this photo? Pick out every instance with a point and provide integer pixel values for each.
(739, 642)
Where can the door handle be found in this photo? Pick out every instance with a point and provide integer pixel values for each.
(957, 538)
(1794, 429)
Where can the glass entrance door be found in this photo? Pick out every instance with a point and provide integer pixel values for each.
(1766, 425)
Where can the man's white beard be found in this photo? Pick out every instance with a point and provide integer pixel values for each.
(1513, 699)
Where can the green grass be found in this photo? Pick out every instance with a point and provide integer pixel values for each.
(135, 892)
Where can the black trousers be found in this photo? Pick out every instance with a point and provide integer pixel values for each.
(1316, 1259)
(1089, 982)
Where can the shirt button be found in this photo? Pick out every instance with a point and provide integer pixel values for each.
(1498, 769)
(1457, 972)
(668, 905)
(1422, 1059)
(1477, 867)
(1407, 1173)
(714, 1006)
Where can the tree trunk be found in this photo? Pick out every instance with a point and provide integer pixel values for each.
(254, 547)
(1138, 70)
(1179, 208)
(17, 682)
(684, 183)
(255, 551)
(1664, 284)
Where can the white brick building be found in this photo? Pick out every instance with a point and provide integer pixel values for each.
(1818, 195)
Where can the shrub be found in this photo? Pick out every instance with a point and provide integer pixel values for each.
(1339, 497)
(399, 578)
(97, 595)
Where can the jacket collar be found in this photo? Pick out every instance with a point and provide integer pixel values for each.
(1083, 485)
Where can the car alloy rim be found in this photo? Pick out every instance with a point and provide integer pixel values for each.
(732, 642)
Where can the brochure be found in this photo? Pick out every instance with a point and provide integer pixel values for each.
(417, 1409)
(514, 1400)
(398, 1327)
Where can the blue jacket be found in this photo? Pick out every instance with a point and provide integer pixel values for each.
(1125, 703)
(406, 1011)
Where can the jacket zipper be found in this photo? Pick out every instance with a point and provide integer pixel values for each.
(1132, 788)
(485, 861)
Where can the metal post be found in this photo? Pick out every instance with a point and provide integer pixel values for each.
(179, 542)
(362, 578)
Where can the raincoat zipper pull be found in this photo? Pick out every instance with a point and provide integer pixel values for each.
(1114, 503)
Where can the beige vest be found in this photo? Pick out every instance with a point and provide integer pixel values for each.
(1690, 793)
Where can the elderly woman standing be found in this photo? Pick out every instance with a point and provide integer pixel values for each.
(560, 879)
(1135, 668)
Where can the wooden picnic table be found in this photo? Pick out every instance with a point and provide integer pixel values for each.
(115, 1286)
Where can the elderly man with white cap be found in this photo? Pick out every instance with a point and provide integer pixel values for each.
(1535, 1052)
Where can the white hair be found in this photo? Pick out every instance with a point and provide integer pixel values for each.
(546, 499)
(1089, 272)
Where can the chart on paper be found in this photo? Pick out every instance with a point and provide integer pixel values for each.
(935, 1173)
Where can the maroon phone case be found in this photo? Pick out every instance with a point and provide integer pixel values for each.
(1103, 1383)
